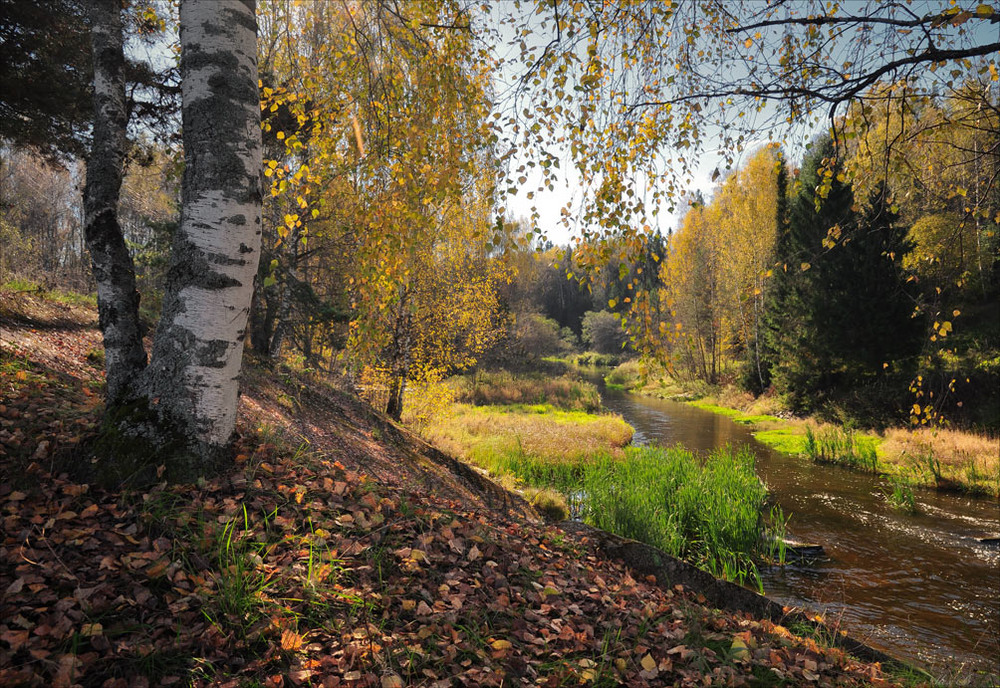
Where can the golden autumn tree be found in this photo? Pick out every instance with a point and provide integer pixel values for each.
(433, 309)
(716, 268)
(690, 275)
(381, 182)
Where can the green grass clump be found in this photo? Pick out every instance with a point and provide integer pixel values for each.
(505, 388)
(842, 446)
(708, 512)
(899, 495)
(787, 440)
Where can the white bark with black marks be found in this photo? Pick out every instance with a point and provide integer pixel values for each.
(198, 352)
(117, 298)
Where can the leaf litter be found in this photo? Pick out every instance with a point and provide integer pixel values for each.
(296, 570)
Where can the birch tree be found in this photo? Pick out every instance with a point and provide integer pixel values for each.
(199, 345)
(181, 408)
(114, 272)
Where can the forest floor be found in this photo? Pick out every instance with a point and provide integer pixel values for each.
(338, 549)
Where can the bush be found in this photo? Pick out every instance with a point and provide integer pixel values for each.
(603, 332)
(625, 376)
(536, 335)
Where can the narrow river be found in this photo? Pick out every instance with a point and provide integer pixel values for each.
(920, 587)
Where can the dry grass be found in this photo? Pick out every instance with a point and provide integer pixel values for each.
(502, 388)
(540, 430)
(945, 457)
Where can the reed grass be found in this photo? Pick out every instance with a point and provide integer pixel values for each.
(708, 512)
(899, 495)
(842, 446)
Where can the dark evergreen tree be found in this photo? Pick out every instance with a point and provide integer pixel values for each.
(812, 300)
(562, 298)
(840, 329)
(882, 337)
(44, 43)
(757, 376)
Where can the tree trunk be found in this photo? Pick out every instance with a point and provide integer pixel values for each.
(285, 305)
(198, 352)
(394, 404)
(117, 298)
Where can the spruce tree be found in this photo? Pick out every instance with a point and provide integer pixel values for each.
(840, 329)
(884, 337)
(812, 296)
(758, 369)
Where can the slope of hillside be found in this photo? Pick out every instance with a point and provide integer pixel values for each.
(339, 549)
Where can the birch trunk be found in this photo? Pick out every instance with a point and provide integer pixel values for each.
(117, 298)
(193, 378)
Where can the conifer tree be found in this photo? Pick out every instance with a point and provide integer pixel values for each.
(840, 322)
(758, 375)
(810, 305)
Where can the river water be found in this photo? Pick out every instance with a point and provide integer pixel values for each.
(921, 587)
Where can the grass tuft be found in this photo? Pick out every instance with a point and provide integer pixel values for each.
(842, 446)
(706, 511)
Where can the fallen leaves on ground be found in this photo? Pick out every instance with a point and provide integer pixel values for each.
(294, 570)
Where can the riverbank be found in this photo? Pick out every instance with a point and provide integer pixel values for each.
(709, 511)
(335, 549)
(910, 457)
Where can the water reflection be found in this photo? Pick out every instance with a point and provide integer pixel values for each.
(920, 586)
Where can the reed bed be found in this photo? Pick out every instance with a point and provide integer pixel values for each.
(709, 512)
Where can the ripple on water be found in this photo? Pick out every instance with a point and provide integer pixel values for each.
(984, 522)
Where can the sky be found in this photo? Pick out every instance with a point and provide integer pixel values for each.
(568, 191)
(549, 205)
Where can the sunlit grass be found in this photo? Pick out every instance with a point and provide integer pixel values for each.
(626, 376)
(831, 444)
(788, 440)
(941, 456)
(69, 298)
(709, 512)
(478, 433)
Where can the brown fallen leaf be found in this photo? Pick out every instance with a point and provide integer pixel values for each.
(291, 641)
